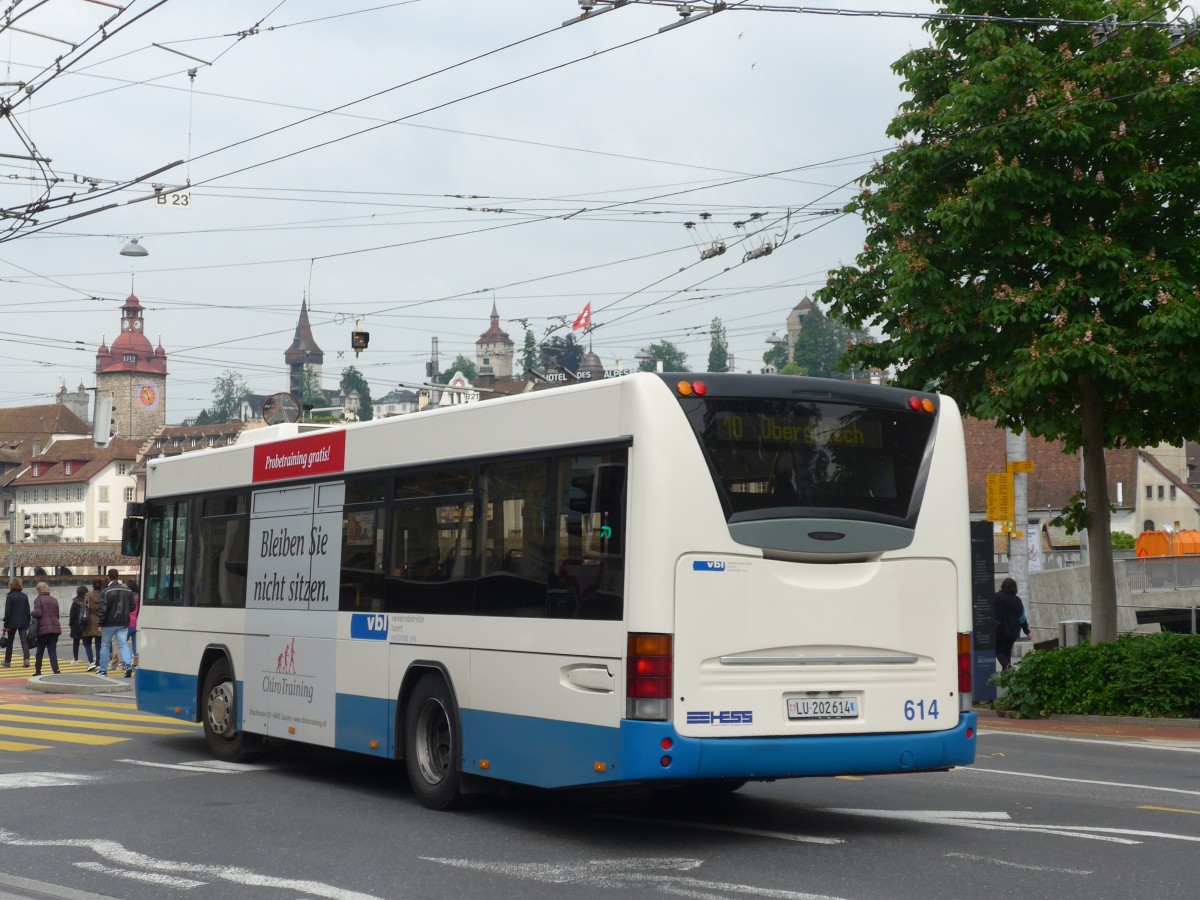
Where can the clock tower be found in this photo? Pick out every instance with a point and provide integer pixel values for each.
(134, 375)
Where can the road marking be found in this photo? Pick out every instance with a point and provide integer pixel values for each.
(89, 701)
(183, 884)
(118, 854)
(704, 826)
(10, 780)
(971, 857)
(622, 874)
(17, 747)
(99, 726)
(65, 737)
(1120, 784)
(985, 821)
(203, 765)
(1177, 745)
(133, 716)
(1000, 821)
(1190, 812)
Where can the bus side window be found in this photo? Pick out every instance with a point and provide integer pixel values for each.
(431, 558)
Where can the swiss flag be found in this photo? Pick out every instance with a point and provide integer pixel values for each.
(584, 319)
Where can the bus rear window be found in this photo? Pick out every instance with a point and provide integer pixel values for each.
(782, 456)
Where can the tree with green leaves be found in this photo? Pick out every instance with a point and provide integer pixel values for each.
(1033, 245)
(673, 359)
(308, 387)
(821, 345)
(352, 380)
(563, 352)
(718, 351)
(228, 392)
(460, 364)
(777, 356)
(529, 353)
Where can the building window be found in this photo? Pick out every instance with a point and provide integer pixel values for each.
(45, 495)
(212, 440)
(79, 521)
(129, 358)
(37, 469)
(1149, 492)
(57, 495)
(1172, 492)
(103, 520)
(1160, 492)
(103, 497)
(67, 467)
(175, 443)
(158, 445)
(79, 493)
(195, 442)
(122, 468)
(128, 495)
(56, 521)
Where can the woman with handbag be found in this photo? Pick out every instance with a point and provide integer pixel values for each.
(16, 620)
(45, 611)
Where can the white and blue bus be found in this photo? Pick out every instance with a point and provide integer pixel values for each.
(672, 580)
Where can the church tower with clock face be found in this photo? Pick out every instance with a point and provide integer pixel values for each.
(134, 375)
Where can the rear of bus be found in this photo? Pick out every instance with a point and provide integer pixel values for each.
(830, 634)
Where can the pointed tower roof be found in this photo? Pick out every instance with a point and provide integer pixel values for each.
(304, 346)
(494, 334)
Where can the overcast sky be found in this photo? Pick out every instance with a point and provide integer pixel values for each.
(540, 177)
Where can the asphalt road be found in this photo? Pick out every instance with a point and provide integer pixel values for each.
(103, 809)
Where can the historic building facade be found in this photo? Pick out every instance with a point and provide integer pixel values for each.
(134, 375)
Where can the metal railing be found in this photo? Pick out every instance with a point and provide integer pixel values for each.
(1163, 573)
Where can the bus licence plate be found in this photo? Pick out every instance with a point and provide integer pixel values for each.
(822, 707)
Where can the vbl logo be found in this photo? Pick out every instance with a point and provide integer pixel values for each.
(369, 626)
(708, 565)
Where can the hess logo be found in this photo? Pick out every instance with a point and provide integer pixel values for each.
(369, 626)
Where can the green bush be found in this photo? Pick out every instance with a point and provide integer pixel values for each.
(1137, 675)
(1122, 541)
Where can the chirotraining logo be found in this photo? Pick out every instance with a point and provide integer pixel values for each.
(286, 663)
(291, 684)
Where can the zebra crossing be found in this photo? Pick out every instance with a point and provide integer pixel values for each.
(78, 720)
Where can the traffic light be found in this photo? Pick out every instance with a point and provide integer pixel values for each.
(359, 341)
(104, 426)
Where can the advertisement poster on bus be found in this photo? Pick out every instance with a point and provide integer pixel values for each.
(291, 611)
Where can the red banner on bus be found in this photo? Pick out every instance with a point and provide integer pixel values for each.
(302, 457)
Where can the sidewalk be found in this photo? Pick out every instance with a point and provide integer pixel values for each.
(74, 679)
(1127, 727)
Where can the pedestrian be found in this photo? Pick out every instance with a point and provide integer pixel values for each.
(45, 610)
(91, 628)
(16, 620)
(74, 623)
(116, 600)
(1008, 610)
(133, 614)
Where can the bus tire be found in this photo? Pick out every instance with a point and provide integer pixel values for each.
(432, 744)
(220, 714)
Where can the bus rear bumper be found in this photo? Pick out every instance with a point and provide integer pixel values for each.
(654, 751)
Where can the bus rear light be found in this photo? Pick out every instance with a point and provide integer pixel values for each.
(966, 684)
(684, 388)
(700, 388)
(648, 683)
(690, 388)
(921, 404)
(665, 762)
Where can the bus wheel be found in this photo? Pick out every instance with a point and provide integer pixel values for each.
(225, 740)
(432, 744)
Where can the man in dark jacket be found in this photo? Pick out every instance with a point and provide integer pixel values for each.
(116, 602)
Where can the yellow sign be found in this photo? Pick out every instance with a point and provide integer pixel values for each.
(999, 497)
(1021, 465)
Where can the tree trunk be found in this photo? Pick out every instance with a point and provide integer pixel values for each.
(1095, 486)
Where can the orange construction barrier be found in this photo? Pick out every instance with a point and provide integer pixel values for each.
(1162, 543)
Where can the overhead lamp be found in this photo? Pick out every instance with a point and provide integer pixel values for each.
(133, 248)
